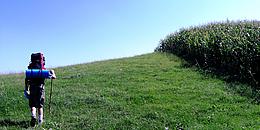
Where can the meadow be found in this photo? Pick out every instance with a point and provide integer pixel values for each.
(230, 48)
(150, 91)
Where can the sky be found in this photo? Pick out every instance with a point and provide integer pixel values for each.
(81, 31)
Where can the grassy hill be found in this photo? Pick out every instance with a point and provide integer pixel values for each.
(230, 48)
(150, 91)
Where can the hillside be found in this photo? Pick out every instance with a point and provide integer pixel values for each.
(230, 48)
(150, 91)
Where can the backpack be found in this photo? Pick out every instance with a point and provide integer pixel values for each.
(37, 61)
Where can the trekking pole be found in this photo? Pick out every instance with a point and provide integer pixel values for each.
(50, 98)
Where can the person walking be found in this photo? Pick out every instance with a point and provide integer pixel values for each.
(34, 87)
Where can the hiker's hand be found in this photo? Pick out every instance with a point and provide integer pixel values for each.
(53, 76)
(26, 94)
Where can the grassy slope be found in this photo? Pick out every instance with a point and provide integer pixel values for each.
(151, 91)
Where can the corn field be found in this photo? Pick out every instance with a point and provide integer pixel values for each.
(231, 48)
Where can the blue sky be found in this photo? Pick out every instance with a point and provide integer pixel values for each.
(80, 31)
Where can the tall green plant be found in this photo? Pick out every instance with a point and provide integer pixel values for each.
(230, 47)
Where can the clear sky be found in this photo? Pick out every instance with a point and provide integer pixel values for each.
(80, 31)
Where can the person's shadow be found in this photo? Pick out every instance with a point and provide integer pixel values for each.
(20, 124)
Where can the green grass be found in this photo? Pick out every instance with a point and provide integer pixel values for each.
(150, 91)
(229, 48)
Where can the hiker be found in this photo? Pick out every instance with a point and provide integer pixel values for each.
(34, 86)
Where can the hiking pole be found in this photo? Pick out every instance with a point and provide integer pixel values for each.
(50, 98)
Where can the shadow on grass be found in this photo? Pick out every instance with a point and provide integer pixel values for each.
(8, 122)
(236, 85)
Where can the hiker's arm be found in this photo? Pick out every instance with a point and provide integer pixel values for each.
(52, 74)
(26, 89)
(26, 86)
